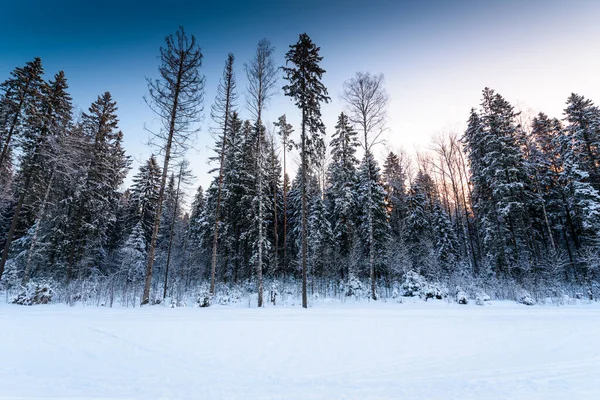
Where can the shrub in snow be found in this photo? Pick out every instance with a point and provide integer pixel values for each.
(226, 296)
(274, 293)
(10, 278)
(203, 299)
(461, 297)
(34, 293)
(355, 288)
(482, 298)
(433, 291)
(413, 284)
(177, 304)
(525, 298)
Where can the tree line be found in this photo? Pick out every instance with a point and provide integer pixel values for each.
(510, 199)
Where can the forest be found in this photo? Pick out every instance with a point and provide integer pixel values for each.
(510, 205)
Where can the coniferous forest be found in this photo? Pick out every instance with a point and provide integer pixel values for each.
(509, 206)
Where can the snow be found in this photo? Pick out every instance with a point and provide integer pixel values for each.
(414, 350)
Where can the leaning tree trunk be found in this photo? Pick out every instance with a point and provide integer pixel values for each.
(163, 182)
(13, 225)
(38, 222)
(11, 131)
(171, 234)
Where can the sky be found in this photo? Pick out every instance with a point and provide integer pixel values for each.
(436, 56)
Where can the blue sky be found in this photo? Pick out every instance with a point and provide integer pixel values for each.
(436, 55)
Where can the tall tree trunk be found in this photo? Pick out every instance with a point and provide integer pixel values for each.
(38, 222)
(284, 207)
(213, 265)
(11, 131)
(275, 226)
(304, 211)
(163, 182)
(13, 225)
(371, 236)
(171, 234)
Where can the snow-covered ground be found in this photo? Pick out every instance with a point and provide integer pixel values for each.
(415, 350)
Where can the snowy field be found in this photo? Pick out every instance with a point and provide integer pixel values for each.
(415, 350)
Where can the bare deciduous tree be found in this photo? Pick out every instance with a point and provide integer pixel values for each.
(367, 101)
(262, 78)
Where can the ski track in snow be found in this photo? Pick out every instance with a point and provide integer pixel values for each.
(414, 350)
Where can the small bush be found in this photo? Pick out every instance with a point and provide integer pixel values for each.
(203, 299)
(413, 284)
(356, 288)
(526, 299)
(461, 297)
(34, 293)
(482, 299)
(434, 291)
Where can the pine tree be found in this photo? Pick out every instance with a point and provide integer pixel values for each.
(144, 196)
(47, 117)
(221, 113)
(97, 194)
(583, 132)
(21, 93)
(367, 100)
(446, 241)
(342, 190)
(503, 196)
(305, 87)
(373, 225)
(284, 130)
(177, 99)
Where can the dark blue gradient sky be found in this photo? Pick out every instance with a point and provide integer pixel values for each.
(436, 55)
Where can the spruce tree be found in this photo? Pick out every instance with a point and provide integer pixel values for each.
(303, 73)
(224, 105)
(21, 94)
(342, 189)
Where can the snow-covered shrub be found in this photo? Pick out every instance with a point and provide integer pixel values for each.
(355, 288)
(177, 304)
(274, 293)
(10, 278)
(525, 298)
(413, 284)
(35, 293)
(203, 299)
(594, 290)
(482, 298)
(461, 297)
(228, 295)
(433, 291)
